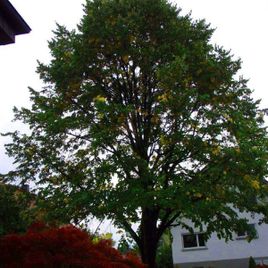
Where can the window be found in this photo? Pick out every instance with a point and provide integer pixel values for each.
(252, 233)
(193, 240)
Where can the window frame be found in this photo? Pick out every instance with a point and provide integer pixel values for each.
(198, 247)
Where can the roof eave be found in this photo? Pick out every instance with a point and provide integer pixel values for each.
(11, 23)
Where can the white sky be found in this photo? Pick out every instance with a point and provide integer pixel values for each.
(241, 26)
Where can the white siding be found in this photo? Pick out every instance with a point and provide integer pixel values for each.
(219, 249)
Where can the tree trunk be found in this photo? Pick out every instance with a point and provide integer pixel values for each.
(148, 254)
(149, 237)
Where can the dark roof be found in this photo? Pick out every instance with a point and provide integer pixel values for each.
(11, 23)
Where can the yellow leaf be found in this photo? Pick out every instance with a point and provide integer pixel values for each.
(247, 178)
(237, 150)
(255, 184)
(198, 195)
(132, 38)
(163, 97)
(96, 240)
(216, 151)
(229, 119)
(107, 236)
(100, 115)
(67, 54)
(99, 98)
(121, 118)
(112, 21)
(125, 59)
(162, 140)
(155, 119)
(93, 40)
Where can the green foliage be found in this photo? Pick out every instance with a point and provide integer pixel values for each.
(126, 244)
(15, 212)
(252, 263)
(142, 120)
(164, 251)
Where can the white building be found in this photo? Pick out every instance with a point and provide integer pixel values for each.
(191, 251)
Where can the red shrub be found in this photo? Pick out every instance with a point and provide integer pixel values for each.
(66, 247)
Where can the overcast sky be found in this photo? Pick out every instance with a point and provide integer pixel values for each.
(241, 26)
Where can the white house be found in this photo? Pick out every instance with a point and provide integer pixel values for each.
(192, 251)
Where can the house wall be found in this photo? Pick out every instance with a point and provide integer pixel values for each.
(219, 250)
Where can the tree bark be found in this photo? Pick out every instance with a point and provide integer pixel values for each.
(149, 237)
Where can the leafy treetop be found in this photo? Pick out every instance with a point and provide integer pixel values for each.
(142, 120)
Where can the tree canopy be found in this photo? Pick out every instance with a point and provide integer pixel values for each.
(15, 209)
(142, 120)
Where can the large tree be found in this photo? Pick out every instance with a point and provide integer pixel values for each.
(142, 120)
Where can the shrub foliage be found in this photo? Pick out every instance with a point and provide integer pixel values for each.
(67, 247)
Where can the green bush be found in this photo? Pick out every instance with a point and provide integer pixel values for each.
(252, 263)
